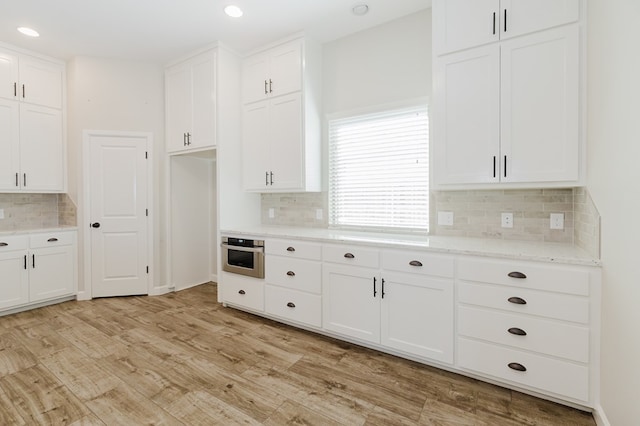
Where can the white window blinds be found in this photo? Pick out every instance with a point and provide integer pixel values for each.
(379, 170)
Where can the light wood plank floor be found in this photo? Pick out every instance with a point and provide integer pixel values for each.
(183, 359)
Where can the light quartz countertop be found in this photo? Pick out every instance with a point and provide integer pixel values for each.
(38, 231)
(517, 250)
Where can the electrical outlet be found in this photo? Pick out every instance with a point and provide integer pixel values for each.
(507, 220)
(445, 218)
(556, 221)
(272, 213)
(318, 214)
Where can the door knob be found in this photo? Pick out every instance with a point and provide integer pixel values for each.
(95, 225)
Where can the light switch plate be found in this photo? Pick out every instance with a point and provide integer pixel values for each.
(272, 213)
(1, 213)
(445, 218)
(318, 214)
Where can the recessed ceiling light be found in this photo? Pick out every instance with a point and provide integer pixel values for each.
(233, 11)
(360, 9)
(29, 31)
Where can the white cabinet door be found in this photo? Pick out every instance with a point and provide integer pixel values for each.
(286, 142)
(41, 149)
(460, 24)
(41, 82)
(466, 130)
(14, 279)
(351, 301)
(203, 130)
(540, 106)
(523, 17)
(52, 273)
(255, 146)
(255, 80)
(8, 75)
(285, 69)
(9, 145)
(417, 315)
(179, 106)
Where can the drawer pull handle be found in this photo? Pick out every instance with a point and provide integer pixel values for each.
(52, 240)
(241, 292)
(517, 331)
(415, 263)
(291, 305)
(3, 244)
(516, 366)
(518, 275)
(291, 249)
(517, 300)
(349, 255)
(291, 273)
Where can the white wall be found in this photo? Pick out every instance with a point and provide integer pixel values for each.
(613, 181)
(382, 65)
(105, 94)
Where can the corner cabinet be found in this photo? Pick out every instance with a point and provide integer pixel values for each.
(32, 146)
(190, 90)
(281, 118)
(507, 94)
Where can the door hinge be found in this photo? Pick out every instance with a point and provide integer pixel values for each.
(147, 269)
(146, 212)
(146, 155)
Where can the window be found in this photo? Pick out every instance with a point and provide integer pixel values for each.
(379, 170)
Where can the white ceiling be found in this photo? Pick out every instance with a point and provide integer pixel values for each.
(161, 30)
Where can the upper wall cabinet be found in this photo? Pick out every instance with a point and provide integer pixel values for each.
(462, 24)
(191, 103)
(281, 118)
(32, 146)
(508, 112)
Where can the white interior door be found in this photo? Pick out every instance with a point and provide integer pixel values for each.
(118, 206)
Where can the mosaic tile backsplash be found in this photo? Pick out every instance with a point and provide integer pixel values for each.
(476, 214)
(36, 211)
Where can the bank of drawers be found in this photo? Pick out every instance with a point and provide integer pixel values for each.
(293, 279)
(525, 322)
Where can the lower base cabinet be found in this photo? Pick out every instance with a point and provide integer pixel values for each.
(37, 268)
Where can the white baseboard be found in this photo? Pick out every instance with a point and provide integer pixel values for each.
(158, 291)
(83, 295)
(600, 417)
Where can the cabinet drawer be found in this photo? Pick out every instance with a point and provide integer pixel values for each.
(13, 242)
(51, 239)
(294, 249)
(551, 375)
(297, 306)
(298, 274)
(351, 255)
(560, 279)
(417, 263)
(242, 291)
(550, 305)
(543, 336)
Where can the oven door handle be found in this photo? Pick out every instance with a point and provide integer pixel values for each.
(240, 248)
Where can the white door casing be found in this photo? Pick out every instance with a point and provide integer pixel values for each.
(118, 193)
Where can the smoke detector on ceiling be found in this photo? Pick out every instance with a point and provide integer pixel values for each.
(360, 9)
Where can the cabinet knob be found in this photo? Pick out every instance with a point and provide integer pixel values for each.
(52, 240)
(349, 255)
(95, 225)
(3, 244)
(518, 275)
(291, 273)
(291, 305)
(291, 249)
(517, 301)
(242, 292)
(517, 366)
(415, 263)
(517, 331)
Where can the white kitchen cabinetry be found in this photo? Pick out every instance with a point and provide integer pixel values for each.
(509, 112)
(32, 148)
(191, 103)
(281, 119)
(37, 268)
(293, 281)
(463, 24)
(530, 324)
(241, 291)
